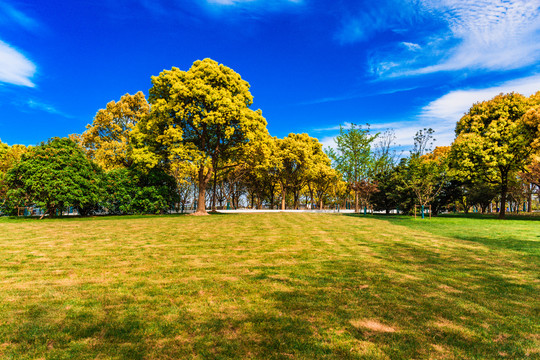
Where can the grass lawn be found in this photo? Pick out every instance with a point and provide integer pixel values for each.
(269, 286)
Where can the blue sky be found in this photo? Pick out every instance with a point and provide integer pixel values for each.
(312, 64)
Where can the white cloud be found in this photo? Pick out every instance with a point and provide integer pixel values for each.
(39, 105)
(452, 106)
(15, 68)
(471, 34)
(411, 46)
(443, 114)
(492, 34)
(375, 17)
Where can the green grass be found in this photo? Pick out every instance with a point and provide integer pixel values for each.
(269, 286)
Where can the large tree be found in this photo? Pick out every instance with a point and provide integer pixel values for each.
(495, 139)
(201, 115)
(107, 140)
(54, 175)
(354, 158)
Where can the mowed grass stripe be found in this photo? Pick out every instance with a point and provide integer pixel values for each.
(267, 286)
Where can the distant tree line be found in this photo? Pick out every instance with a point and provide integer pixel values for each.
(196, 142)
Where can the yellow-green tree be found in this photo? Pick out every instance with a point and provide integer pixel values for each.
(259, 170)
(497, 138)
(297, 153)
(201, 115)
(321, 176)
(107, 140)
(9, 155)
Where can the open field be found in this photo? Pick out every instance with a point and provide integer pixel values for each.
(269, 286)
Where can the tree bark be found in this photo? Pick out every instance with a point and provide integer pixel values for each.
(203, 182)
(356, 205)
(283, 195)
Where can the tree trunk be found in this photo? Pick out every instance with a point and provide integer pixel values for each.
(283, 195)
(320, 204)
(529, 200)
(203, 182)
(214, 193)
(356, 206)
(504, 191)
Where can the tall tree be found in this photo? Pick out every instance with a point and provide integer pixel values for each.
(496, 138)
(54, 175)
(107, 140)
(297, 153)
(201, 115)
(426, 174)
(353, 158)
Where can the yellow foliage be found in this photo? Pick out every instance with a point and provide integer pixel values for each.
(107, 140)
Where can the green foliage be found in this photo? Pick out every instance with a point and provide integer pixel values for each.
(495, 139)
(354, 158)
(132, 191)
(52, 176)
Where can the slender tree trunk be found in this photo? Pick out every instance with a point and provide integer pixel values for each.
(283, 195)
(529, 200)
(203, 182)
(214, 193)
(504, 191)
(356, 205)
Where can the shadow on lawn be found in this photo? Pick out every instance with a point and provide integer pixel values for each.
(400, 298)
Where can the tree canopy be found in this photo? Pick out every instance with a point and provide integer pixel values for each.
(201, 115)
(497, 138)
(107, 140)
(53, 175)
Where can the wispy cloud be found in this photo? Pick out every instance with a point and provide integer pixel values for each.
(15, 68)
(452, 106)
(252, 5)
(41, 106)
(376, 17)
(463, 34)
(357, 95)
(491, 34)
(253, 2)
(11, 16)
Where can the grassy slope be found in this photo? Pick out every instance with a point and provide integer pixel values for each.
(269, 286)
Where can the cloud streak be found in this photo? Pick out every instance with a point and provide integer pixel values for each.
(449, 35)
(441, 114)
(452, 106)
(15, 68)
(9, 16)
(41, 106)
(251, 6)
